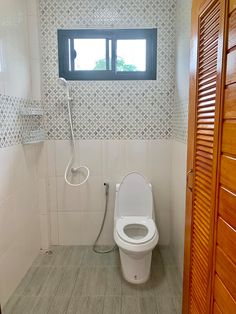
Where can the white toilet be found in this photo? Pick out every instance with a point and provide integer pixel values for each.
(135, 231)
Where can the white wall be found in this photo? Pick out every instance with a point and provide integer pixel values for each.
(179, 145)
(19, 49)
(14, 53)
(34, 48)
(76, 213)
(19, 165)
(19, 220)
(178, 184)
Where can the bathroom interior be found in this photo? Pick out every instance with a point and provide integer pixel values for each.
(94, 106)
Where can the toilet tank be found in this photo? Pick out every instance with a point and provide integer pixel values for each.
(134, 197)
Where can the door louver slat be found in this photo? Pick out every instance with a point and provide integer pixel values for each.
(207, 63)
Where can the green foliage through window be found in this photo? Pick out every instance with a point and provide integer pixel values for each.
(121, 66)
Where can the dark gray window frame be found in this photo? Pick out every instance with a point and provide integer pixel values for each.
(64, 35)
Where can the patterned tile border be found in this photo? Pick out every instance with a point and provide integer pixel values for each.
(13, 126)
(180, 122)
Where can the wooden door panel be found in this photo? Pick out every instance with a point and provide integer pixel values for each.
(226, 239)
(216, 309)
(227, 206)
(232, 5)
(229, 137)
(230, 70)
(225, 253)
(223, 298)
(230, 102)
(228, 171)
(232, 30)
(226, 270)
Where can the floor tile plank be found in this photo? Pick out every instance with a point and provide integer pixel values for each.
(77, 256)
(8, 308)
(67, 283)
(112, 305)
(24, 305)
(39, 278)
(77, 280)
(130, 305)
(91, 281)
(62, 255)
(42, 305)
(148, 305)
(50, 286)
(86, 305)
(113, 281)
(20, 290)
(59, 305)
(165, 304)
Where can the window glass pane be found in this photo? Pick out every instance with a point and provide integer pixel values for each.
(110, 54)
(90, 54)
(131, 55)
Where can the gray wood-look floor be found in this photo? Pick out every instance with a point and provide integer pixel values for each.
(75, 280)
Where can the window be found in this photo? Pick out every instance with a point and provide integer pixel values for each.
(121, 54)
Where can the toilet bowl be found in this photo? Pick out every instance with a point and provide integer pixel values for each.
(135, 231)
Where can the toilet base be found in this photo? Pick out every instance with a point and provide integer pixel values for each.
(136, 267)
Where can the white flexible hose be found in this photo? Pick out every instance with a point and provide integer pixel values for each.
(95, 249)
(68, 167)
(77, 169)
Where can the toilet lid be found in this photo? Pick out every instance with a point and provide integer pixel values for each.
(135, 230)
(134, 197)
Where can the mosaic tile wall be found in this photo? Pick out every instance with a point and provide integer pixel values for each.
(183, 34)
(13, 126)
(115, 109)
(180, 122)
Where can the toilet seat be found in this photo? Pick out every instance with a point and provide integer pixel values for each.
(136, 221)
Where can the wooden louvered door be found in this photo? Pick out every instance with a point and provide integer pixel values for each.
(207, 53)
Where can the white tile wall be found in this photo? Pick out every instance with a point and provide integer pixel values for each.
(91, 155)
(136, 157)
(178, 186)
(34, 48)
(15, 68)
(43, 188)
(19, 219)
(73, 208)
(54, 233)
(78, 227)
(180, 115)
(61, 155)
(182, 71)
(113, 160)
(22, 190)
(45, 230)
